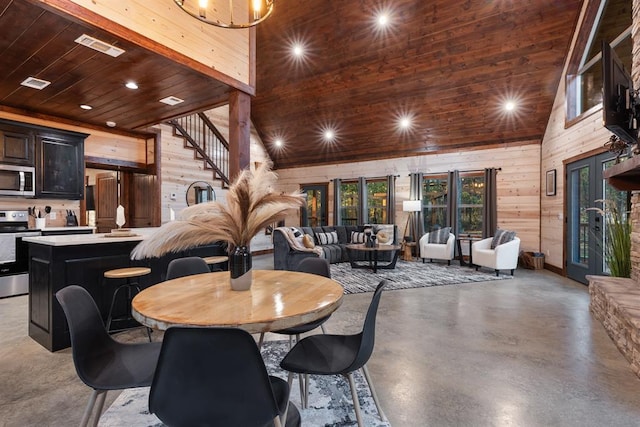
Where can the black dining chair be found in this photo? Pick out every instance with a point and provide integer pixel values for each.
(101, 362)
(338, 355)
(321, 267)
(216, 377)
(187, 266)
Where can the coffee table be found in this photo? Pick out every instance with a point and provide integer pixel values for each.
(372, 256)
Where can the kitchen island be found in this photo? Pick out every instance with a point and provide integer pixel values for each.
(81, 259)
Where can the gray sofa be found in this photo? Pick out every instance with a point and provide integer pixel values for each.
(286, 257)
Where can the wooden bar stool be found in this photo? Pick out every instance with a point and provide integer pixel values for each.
(127, 273)
(213, 260)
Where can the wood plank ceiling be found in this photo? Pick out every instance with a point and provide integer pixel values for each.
(447, 65)
(39, 42)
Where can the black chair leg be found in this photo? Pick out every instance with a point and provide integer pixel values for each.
(512, 271)
(497, 273)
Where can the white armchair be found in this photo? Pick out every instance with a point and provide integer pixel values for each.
(503, 257)
(437, 250)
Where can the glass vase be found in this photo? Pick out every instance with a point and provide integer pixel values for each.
(240, 268)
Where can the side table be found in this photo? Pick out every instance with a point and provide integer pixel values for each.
(407, 250)
(470, 239)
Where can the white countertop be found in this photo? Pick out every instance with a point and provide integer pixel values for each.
(89, 239)
(76, 227)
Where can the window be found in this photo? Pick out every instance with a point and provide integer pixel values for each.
(377, 201)
(584, 80)
(349, 202)
(470, 203)
(434, 202)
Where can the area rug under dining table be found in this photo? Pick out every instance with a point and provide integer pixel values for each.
(330, 402)
(409, 274)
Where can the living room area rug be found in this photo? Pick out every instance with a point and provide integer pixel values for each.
(330, 402)
(409, 274)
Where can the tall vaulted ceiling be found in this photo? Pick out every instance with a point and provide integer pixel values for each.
(446, 66)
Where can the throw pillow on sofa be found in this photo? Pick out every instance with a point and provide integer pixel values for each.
(384, 233)
(357, 237)
(383, 237)
(308, 242)
(327, 238)
(502, 236)
(439, 236)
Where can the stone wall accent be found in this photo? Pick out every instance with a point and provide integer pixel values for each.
(635, 237)
(635, 199)
(616, 303)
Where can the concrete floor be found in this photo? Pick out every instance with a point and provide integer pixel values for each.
(521, 352)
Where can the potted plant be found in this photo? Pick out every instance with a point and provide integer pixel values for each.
(617, 238)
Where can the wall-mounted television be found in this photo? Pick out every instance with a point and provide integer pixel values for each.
(619, 103)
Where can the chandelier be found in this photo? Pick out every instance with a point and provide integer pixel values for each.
(259, 10)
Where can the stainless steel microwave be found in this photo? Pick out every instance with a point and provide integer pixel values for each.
(17, 180)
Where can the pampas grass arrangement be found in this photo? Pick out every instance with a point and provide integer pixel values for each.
(251, 205)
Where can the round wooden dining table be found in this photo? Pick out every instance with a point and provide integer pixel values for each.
(278, 299)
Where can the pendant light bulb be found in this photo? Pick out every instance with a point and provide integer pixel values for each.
(203, 8)
(257, 7)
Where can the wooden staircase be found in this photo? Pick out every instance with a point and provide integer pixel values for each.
(207, 143)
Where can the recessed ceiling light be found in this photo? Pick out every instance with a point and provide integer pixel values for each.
(171, 100)
(329, 134)
(86, 107)
(383, 19)
(278, 142)
(131, 85)
(111, 124)
(298, 50)
(405, 123)
(510, 106)
(35, 83)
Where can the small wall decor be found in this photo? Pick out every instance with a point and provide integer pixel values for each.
(551, 182)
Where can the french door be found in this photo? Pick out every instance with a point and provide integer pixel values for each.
(585, 226)
(314, 213)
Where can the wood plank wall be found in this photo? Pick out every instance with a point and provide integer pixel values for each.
(518, 183)
(179, 170)
(560, 145)
(163, 21)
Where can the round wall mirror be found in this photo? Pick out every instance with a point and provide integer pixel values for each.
(200, 192)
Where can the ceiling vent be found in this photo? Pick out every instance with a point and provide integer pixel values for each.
(171, 100)
(34, 83)
(99, 45)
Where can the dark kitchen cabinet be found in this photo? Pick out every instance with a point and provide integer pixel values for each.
(60, 164)
(16, 144)
(52, 267)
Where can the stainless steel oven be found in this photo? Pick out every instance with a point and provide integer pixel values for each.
(17, 180)
(14, 253)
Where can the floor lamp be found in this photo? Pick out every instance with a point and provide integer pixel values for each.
(411, 206)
